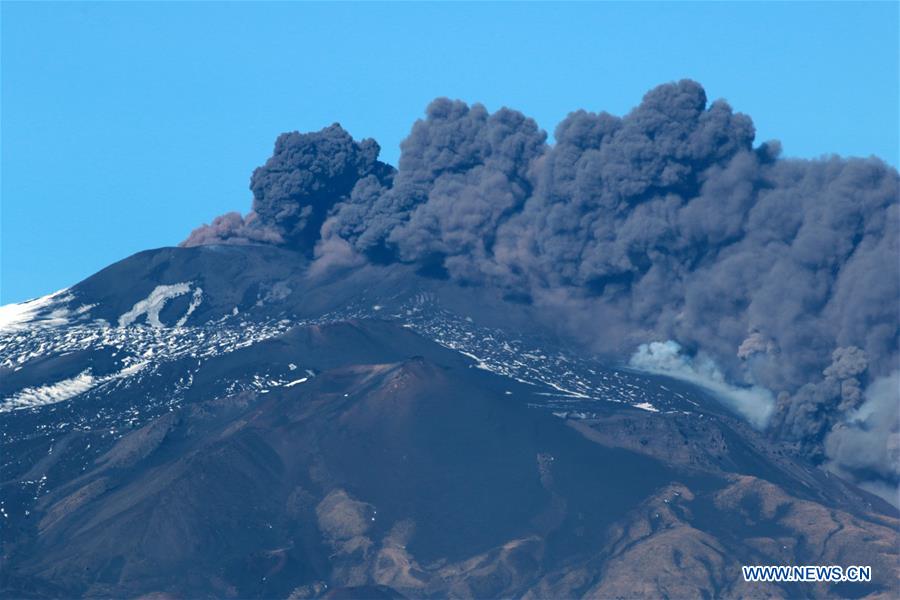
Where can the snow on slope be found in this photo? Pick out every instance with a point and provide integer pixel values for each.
(568, 384)
(47, 310)
(66, 389)
(154, 303)
(26, 335)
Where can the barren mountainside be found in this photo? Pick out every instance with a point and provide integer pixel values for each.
(220, 422)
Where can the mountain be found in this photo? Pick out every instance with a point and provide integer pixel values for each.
(229, 421)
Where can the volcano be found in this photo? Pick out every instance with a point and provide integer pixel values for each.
(226, 421)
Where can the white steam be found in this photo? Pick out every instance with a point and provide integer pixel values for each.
(868, 440)
(666, 358)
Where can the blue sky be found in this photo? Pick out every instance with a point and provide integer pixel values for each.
(125, 125)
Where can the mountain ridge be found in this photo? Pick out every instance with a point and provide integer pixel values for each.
(261, 477)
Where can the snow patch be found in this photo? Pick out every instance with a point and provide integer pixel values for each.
(196, 299)
(19, 316)
(566, 392)
(154, 303)
(50, 394)
(64, 390)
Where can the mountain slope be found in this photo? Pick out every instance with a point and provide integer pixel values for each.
(379, 435)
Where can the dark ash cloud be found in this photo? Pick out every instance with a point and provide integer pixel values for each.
(307, 174)
(462, 172)
(665, 224)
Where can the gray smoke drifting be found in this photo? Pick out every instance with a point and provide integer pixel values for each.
(664, 224)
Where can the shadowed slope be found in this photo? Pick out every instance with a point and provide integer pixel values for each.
(399, 465)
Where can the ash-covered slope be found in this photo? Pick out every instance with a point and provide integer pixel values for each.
(220, 421)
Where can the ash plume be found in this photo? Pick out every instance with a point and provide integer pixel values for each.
(462, 173)
(665, 224)
(307, 174)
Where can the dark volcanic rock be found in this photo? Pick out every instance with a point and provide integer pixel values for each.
(399, 470)
(221, 422)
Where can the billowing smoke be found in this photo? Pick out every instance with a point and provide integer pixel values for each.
(664, 224)
(296, 188)
(463, 172)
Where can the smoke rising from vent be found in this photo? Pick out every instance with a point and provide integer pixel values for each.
(667, 223)
(865, 445)
(306, 176)
(752, 402)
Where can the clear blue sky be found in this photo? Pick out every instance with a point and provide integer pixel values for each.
(125, 125)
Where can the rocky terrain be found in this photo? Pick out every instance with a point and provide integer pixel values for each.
(221, 422)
